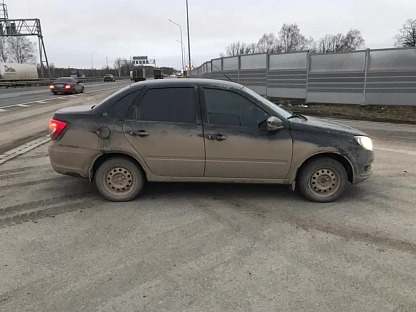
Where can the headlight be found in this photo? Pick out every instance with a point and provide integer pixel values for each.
(365, 142)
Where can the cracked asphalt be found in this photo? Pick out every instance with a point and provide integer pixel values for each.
(210, 247)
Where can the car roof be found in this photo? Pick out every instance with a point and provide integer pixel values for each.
(187, 81)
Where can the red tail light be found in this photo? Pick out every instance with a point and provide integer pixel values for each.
(67, 87)
(51, 86)
(56, 127)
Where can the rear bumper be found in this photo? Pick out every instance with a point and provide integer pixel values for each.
(71, 160)
(61, 90)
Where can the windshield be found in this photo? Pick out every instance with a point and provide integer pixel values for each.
(283, 113)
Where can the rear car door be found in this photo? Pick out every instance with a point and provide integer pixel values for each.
(166, 130)
(237, 142)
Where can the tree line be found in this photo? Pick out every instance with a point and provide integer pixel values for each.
(290, 39)
(17, 50)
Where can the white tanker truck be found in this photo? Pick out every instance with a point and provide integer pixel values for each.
(10, 71)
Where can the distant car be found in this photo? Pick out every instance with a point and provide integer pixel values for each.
(204, 130)
(109, 77)
(66, 85)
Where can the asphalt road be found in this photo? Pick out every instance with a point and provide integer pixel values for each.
(29, 95)
(215, 247)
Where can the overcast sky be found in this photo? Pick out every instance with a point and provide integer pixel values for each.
(74, 29)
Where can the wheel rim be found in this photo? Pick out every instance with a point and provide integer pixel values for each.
(119, 181)
(324, 182)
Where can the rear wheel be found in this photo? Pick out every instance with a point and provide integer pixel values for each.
(322, 180)
(119, 179)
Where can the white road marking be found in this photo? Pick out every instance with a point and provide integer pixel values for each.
(413, 153)
(26, 104)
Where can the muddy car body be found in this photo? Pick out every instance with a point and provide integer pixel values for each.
(203, 130)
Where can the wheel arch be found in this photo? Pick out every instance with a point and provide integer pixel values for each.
(100, 159)
(344, 161)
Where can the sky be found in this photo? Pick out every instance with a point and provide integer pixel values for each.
(74, 29)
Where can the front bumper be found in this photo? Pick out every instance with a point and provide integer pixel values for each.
(363, 166)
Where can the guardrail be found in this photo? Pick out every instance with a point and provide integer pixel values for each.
(14, 83)
(369, 77)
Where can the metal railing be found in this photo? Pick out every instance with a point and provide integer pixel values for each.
(368, 77)
(14, 83)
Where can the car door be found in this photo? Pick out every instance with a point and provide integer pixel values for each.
(237, 142)
(167, 132)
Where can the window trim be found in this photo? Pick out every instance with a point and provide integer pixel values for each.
(139, 99)
(204, 108)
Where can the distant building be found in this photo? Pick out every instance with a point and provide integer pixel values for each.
(143, 61)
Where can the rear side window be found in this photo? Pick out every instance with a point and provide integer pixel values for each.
(168, 105)
(119, 110)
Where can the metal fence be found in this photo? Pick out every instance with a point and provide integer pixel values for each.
(370, 77)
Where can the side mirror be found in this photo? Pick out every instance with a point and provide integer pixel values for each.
(274, 124)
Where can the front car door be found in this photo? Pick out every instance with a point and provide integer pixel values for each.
(166, 130)
(237, 142)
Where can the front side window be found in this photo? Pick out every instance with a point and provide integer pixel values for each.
(227, 108)
(168, 105)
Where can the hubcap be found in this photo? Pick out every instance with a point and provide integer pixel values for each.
(324, 182)
(119, 181)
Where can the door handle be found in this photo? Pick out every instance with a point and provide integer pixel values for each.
(140, 133)
(218, 137)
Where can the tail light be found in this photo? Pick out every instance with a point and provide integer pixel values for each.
(56, 127)
(51, 87)
(67, 87)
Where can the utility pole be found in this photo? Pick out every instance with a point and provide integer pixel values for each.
(92, 64)
(106, 59)
(182, 51)
(189, 38)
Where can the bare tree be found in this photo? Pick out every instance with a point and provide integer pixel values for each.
(269, 43)
(4, 55)
(352, 41)
(239, 48)
(291, 39)
(407, 34)
(21, 49)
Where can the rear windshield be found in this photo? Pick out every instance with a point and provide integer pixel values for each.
(66, 80)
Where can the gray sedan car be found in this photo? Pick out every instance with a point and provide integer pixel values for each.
(203, 130)
(66, 85)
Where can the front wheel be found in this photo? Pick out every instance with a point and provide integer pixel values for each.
(322, 180)
(119, 179)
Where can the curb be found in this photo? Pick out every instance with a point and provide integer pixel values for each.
(22, 149)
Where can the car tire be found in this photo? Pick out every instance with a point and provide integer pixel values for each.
(55, 93)
(322, 180)
(82, 90)
(119, 179)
